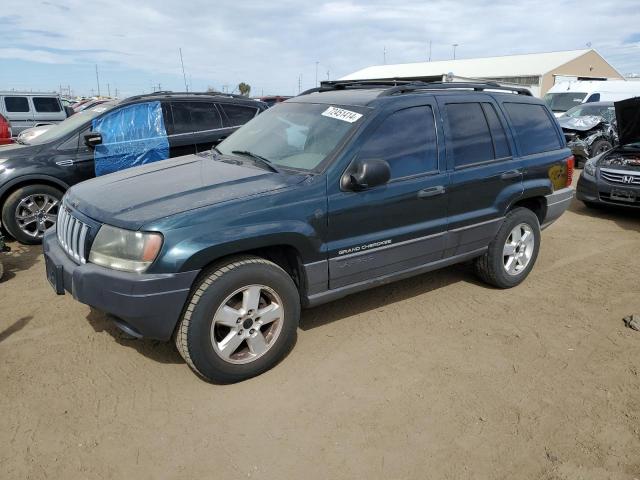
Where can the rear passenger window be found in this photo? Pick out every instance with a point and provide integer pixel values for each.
(189, 117)
(238, 114)
(46, 104)
(500, 143)
(534, 129)
(406, 139)
(468, 133)
(16, 104)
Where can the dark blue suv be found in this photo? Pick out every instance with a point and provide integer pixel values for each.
(340, 189)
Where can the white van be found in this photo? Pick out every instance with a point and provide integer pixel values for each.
(563, 96)
(26, 110)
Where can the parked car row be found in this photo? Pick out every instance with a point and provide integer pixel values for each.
(99, 140)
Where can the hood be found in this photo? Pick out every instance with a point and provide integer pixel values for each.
(628, 118)
(580, 124)
(16, 150)
(134, 197)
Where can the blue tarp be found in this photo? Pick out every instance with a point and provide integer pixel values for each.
(131, 136)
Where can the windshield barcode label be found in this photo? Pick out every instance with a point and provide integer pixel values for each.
(342, 114)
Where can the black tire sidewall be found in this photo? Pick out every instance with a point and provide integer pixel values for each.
(201, 351)
(496, 248)
(11, 204)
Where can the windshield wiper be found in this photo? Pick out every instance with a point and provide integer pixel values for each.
(257, 157)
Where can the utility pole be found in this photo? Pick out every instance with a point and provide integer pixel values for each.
(116, 92)
(299, 83)
(429, 50)
(183, 75)
(108, 90)
(454, 50)
(327, 75)
(98, 79)
(384, 55)
(317, 63)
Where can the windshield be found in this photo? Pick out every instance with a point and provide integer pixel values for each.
(561, 102)
(605, 111)
(296, 135)
(67, 126)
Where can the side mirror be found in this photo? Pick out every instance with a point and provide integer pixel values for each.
(69, 111)
(93, 139)
(366, 174)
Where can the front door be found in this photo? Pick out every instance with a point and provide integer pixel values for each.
(400, 225)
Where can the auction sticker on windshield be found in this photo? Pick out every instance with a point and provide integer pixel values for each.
(342, 114)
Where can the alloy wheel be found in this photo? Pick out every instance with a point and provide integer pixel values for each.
(518, 249)
(36, 213)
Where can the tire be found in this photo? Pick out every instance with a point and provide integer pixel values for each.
(31, 201)
(599, 147)
(492, 266)
(223, 352)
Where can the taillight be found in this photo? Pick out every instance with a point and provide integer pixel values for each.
(571, 163)
(5, 131)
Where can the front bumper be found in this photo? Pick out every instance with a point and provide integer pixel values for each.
(557, 204)
(148, 305)
(595, 190)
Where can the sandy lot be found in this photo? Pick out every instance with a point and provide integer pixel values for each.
(436, 377)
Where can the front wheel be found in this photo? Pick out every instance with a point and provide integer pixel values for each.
(29, 211)
(240, 321)
(513, 252)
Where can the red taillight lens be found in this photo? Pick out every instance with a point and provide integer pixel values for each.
(5, 131)
(571, 163)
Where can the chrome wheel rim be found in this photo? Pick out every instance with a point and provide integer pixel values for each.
(36, 213)
(247, 324)
(518, 249)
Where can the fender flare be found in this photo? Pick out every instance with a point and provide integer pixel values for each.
(31, 178)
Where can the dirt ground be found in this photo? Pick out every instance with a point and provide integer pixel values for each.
(435, 377)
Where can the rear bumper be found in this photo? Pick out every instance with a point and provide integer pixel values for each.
(557, 203)
(149, 305)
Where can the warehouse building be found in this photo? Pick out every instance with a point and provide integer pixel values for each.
(537, 71)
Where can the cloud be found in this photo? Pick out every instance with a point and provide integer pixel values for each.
(270, 44)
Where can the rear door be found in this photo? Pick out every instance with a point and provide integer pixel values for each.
(19, 112)
(47, 110)
(400, 225)
(485, 175)
(236, 115)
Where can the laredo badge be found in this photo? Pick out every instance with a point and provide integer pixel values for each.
(342, 114)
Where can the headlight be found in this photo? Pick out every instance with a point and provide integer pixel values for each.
(590, 168)
(125, 250)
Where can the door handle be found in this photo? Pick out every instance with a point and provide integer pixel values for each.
(432, 191)
(511, 174)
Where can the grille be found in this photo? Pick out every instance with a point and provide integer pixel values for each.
(72, 235)
(620, 176)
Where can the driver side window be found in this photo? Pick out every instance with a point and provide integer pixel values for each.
(407, 140)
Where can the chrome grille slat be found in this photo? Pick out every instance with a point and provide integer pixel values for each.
(72, 235)
(618, 176)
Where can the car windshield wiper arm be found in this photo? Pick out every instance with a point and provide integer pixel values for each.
(257, 157)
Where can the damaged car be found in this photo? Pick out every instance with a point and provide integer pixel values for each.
(590, 129)
(613, 177)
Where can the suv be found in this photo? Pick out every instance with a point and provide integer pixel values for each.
(106, 138)
(26, 110)
(338, 190)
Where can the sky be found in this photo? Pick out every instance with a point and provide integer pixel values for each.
(278, 46)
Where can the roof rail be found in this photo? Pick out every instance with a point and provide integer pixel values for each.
(476, 86)
(169, 92)
(398, 86)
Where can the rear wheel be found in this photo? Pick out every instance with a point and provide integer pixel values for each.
(29, 211)
(513, 252)
(240, 321)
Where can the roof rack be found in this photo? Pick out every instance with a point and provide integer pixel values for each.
(398, 86)
(169, 92)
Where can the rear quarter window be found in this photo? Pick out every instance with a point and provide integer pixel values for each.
(534, 130)
(16, 104)
(46, 104)
(238, 114)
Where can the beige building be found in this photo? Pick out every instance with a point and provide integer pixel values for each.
(537, 71)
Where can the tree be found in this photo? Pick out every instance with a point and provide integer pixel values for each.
(244, 88)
